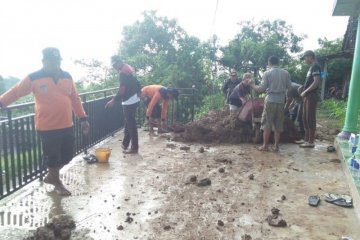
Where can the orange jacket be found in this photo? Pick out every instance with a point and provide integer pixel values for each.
(153, 92)
(54, 102)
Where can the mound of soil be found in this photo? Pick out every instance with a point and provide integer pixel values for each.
(58, 229)
(220, 127)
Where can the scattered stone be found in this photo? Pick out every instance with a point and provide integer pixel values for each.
(275, 211)
(166, 228)
(283, 197)
(204, 182)
(185, 148)
(220, 223)
(246, 237)
(275, 219)
(221, 170)
(129, 219)
(320, 188)
(171, 145)
(193, 179)
(120, 228)
(223, 160)
(251, 176)
(201, 150)
(242, 204)
(156, 211)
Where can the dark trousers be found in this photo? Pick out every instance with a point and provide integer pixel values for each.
(309, 111)
(130, 130)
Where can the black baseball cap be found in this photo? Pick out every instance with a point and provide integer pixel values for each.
(308, 53)
(51, 53)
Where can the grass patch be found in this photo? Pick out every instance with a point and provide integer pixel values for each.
(211, 102)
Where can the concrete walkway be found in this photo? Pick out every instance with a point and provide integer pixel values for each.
(151, 195)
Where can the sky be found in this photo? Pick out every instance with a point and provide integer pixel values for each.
(92, 29)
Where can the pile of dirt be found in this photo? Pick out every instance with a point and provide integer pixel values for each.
(58, 229)
(221, 127)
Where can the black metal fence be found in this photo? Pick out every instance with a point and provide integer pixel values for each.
(21, 159)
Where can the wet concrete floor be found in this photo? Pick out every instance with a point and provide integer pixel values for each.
(151, 195)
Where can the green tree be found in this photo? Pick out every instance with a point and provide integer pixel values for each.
(98, 76)
(338, 68)
(255, 42)
(163, 53)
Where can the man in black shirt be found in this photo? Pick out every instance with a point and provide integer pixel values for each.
(229, 86)
(310, 93)
(128, 94)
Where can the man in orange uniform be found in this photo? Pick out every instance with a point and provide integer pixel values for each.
(56, 98)
(157, 93)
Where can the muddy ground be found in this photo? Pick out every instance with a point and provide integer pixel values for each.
(161, 194)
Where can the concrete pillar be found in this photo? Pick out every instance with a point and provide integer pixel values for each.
(353, 103)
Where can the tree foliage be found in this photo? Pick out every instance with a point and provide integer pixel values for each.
(163, 53)
(338, 68)
(255, 42)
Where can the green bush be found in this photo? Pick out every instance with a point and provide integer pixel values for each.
(335, 109)
(211, 102)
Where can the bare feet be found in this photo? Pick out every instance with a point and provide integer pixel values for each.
(59, 186)
(263, 149)
(49, 179)
(275, 148)
(61, 190)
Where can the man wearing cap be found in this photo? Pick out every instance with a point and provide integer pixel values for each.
(157, 93)
(56, 98)
(310, 93)
(128, 94)
(229, 86)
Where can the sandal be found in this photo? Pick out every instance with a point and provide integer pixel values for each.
(339, 200)
(330, 149)
(307, 145)
(90, 158)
